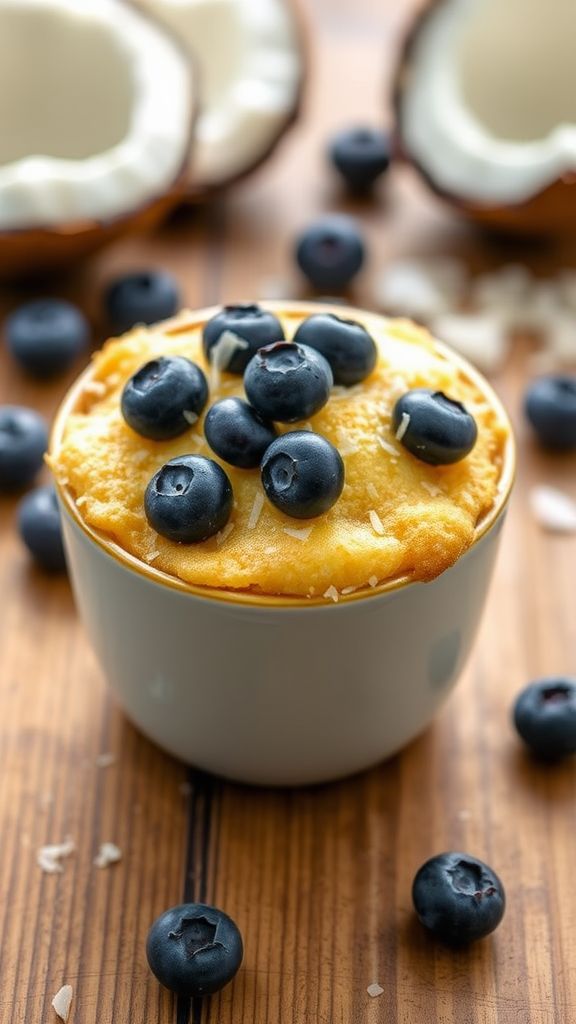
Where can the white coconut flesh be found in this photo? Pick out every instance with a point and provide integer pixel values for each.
(488, 108)
(250, 68)
(95, 111)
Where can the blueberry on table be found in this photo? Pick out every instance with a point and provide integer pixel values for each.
(164, 398)
(345, 344)
(458, 898)
(189, 499)
(550, 406)
(23, 441)
(288, 382)
(237, 433)
(545, 717)
(249, 326)
(361, 155)
(40, 528)
(330, 252)
(302, 474)
(144, 297)
(45, 336)
(194, 949)
(436, 429)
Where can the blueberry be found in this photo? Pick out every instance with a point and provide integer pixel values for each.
(189, 499)
(252, 326)
(330, 252)
(144, 297)
(194, 949)
(23, 441)
(46, 335)
(360, 155)
(237, 433)
(40, 528)
(302, 474)
(550, 406)
(458, 898)
(545, 717)
(164, 397)
(434, 428)
(347, 346)
(288, 382)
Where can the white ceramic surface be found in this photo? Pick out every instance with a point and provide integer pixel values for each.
(278, 695)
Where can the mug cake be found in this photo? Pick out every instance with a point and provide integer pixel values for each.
(283, 450)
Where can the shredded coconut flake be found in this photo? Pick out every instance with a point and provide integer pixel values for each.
(139, 456)
(190, 417)
(81, 501)
(256, 511)
(62, 1002)
(306, 426)
(376, 523)
(151, 555)
(373, 582)
(105, 760)
(220, 356)
(49, 857)
(224, 533)
(95, 387)
(404, 424)
(372, 490)
(553, 509)
(374, 990)
(270, 550)
(345, 443)
(348, 590)
(332, 594)
(386, 446)
(302, 534)
(108, 853)
(434, 491)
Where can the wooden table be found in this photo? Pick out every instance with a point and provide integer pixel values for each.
(318, 880)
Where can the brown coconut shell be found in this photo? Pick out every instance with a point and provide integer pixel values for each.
(28, 251)
(549, 211)
(202, 191)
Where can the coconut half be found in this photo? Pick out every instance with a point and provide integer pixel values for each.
(96, 115)
(251, 65)
(486, 109)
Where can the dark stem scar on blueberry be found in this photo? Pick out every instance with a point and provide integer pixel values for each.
(197, 934)
(468, 878)
(555, 694)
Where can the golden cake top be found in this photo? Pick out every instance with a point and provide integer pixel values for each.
(397, 516)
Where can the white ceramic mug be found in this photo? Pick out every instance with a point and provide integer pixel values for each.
(278, 691)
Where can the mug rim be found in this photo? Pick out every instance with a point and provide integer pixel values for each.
(188, 320)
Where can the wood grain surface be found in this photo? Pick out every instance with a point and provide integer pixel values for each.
(318, 880)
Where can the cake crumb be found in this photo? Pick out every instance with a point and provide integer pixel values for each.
(374, 990)
(108, 853)
(106, 759)
(49, 857)
(62, 1002)
(376, 523)
(302, 534)
(331, 593)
